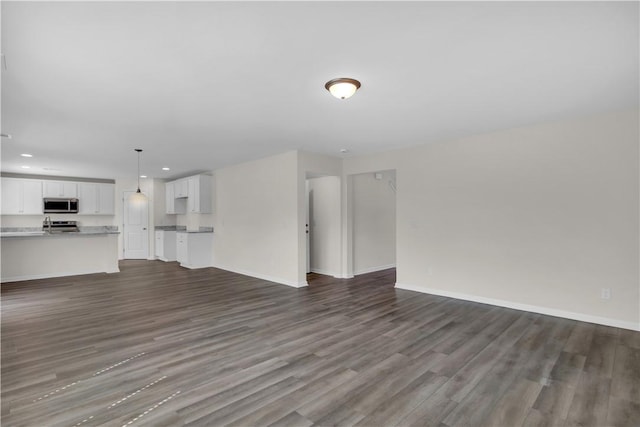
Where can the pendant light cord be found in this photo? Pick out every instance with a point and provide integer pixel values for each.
(138, 150)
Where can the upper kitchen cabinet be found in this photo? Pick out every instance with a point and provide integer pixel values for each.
(199, 199)
(181, 188)
(63, 189)
(21, 196)
(173, 205)
(96, 198)
(192, 194)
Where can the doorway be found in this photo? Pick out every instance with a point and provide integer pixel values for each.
(135, 228)
(323, 226)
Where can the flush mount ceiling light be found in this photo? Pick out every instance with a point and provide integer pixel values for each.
(343, 87)
(138, 197)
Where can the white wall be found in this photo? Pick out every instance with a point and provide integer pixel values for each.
(256, 228)
(260, 212)
(374, 222)
(325, 225)
(539, 217)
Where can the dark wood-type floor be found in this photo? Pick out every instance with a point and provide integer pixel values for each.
(164, 346)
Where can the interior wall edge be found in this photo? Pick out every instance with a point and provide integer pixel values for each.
(374, 269)
(335, 274)
(273, 279)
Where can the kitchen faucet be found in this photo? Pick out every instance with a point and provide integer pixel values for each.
(47, 223)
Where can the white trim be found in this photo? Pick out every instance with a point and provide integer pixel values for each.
(525, 307)
(194, 267)
(264, 277)
(53, 275)
(373, 269)
(325, 272)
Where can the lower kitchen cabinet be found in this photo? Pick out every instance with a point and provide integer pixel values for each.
(194, 250)
(165, 245)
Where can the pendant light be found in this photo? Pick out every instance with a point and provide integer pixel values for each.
(342, 88)
(138, 197)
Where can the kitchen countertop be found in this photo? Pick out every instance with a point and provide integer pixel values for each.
(39, 232)
(199, 230)
(183, 229)
(170, 228)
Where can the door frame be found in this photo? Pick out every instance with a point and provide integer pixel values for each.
(150, 248)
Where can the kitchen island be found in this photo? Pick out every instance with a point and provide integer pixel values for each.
(30, 253)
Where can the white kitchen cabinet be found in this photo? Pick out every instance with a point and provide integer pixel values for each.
(166, 245)
(96, 198)
(170, 198)
(87, 199)
(194, 250)
(181, 248)
(107, 199)
(173, 205)
(181, 188)
(199, 200)
(11, 196)
(63, 189)
(21, 196)
(32, 197)
(191, 194)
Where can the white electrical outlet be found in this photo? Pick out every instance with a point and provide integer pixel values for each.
(605, 293)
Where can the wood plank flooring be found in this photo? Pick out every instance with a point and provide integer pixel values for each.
(160, 345)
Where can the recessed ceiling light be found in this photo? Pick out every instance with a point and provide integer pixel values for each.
(143, 176)
(344, 150)
(26, 155)
(26, 167)
(166, 169)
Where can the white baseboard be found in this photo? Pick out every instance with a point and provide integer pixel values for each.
(525, 307)
(194, 267)
(264, 277)
(326, 272)
(54, 275)
(373, 269)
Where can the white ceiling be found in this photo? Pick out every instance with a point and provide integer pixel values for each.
(202, 85)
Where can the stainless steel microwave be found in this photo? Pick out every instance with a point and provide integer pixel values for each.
(60, 205)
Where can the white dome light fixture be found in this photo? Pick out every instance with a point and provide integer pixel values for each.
(343, 87)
